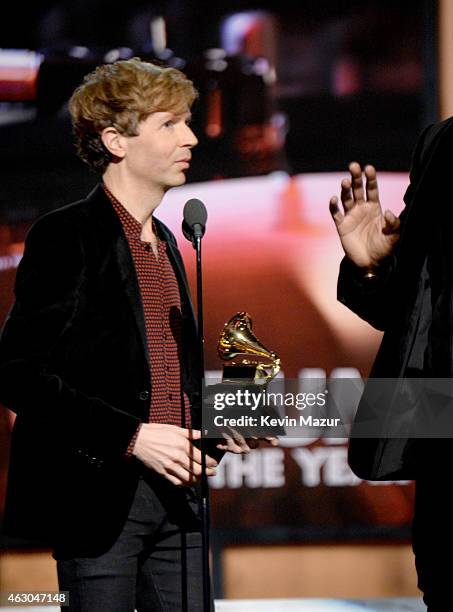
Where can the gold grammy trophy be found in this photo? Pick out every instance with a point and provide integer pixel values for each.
(248, 366)
(244, 356)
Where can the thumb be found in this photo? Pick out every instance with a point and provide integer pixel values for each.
(391, 223)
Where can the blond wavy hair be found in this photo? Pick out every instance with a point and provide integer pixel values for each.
(123, 94)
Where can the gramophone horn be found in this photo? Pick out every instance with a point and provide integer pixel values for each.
(239, 346)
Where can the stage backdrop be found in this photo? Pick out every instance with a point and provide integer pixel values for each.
(271, 249)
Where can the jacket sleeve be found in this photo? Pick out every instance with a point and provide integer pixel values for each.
(372, 300)
(48, 288)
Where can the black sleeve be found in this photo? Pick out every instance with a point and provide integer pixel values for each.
(48, 287)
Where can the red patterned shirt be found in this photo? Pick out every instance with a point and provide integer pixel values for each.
(161, 302)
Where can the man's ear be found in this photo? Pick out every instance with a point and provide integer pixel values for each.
(113, 141)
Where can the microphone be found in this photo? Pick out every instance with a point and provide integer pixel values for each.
(193, 228)
(195, 217)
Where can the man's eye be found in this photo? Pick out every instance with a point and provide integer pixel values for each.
(168, 123)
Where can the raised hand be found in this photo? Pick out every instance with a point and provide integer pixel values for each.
(367, 234)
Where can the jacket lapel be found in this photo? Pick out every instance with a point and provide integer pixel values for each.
(112, 240)
(191, 371)
(131, 287)
(178, 267)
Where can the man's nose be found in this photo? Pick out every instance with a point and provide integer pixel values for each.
(189, 138)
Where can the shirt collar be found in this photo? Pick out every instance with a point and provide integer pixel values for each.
(132, 227)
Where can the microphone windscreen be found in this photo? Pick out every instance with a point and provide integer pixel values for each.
(195, 213)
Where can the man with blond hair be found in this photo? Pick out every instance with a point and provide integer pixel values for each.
(98, 359)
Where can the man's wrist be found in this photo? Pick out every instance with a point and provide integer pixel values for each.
(131, 447)
(370, 274)
(379, 272)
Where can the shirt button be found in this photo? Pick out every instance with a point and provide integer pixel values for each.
(144, 395)
(170, 396)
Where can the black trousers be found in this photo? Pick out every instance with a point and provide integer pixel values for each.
(432, 536)
(154, 566)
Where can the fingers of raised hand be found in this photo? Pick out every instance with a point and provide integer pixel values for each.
(337, 215)
(391, 223)
(347, 198)
(356, 182)
(352, 193)
(372, 191)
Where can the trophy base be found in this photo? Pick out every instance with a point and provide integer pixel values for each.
(236, 373)
(245, 415)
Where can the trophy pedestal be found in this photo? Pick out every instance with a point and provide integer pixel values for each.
(239, 374)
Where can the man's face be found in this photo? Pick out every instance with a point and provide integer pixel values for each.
(160, 154)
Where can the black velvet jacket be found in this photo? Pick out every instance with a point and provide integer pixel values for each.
(74, 367)
(413, 304)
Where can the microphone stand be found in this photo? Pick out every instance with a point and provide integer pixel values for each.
(204, 479)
